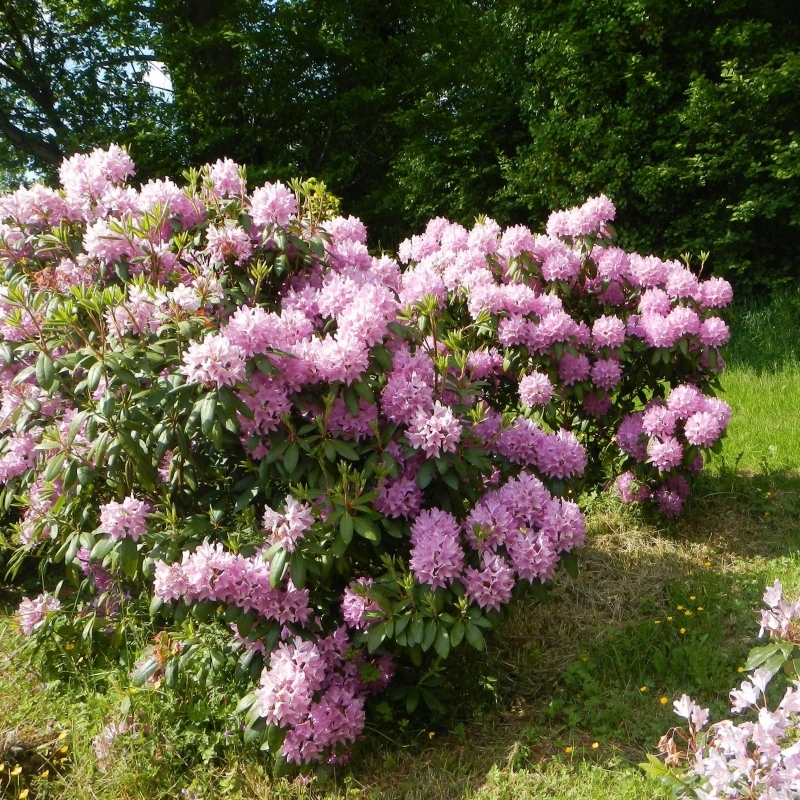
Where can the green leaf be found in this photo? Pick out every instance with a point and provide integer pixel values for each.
(53, 469)
(144, 671)
(367, 529)
(416, 630)
(277, 567)
(654, 767)
(430, 634)
(155, 605)
(759, 655)
(298, 569)
(457, 634)
(45, 371)
(351, 400)
(375, 636)
(203, 610)
(128, 556)
(208, 409)
(102, 549)
(346, 528)
(291, 458)
(275, 737)
(246, 702)
(95, 375)
(474, 636)
(426, 473)
(442, 641)
(346, 450)
(570, 563)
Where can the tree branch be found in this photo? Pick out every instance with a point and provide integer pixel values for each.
(39, 148)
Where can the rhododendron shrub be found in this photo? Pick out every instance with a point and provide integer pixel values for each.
(219, 402)
(758, 757)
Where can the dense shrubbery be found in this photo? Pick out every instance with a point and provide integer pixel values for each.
(221, 405)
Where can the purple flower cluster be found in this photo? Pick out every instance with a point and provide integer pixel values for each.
(668, 435)
(289, 527)
(315, 690)
(212, 573)
(518, 531)
(128, 518)
(32, 612)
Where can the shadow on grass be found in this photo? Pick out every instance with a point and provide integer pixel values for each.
(599, 663)
(658, 609)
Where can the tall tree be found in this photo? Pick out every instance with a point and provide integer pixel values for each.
(684, 113)
(72, 75)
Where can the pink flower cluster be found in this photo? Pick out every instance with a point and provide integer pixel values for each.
(289, 527)
(212, 573)
(518, 531)
(756, 758)
(32, 612)
(669, 435)
(749, 759)
(315, 690)
(781, 617)
(128, 518)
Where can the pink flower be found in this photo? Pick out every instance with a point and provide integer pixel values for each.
(436, 555)
(356, 605)
(128, 518)
(288, 528)
(225, 178)
(535, 389)
(715, 293)
(714, 332)
(435, 433)
(490, 588)
(703, 429)
(230, 242)
(400, 498)
(685, 400)
(214, 360)
(561, 455)
(606, 373)
(573, 369)
(32, 612)
(598, 404)
(515, 240)
(584, 220)
(665, 453)
(658, 420)
(273, 204)
(631, 490)
(608, 331)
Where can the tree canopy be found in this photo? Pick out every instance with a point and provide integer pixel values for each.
(683, 112)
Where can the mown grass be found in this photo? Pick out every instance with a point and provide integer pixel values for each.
(570, 694)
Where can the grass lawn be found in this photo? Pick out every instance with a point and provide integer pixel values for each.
(570, 694)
